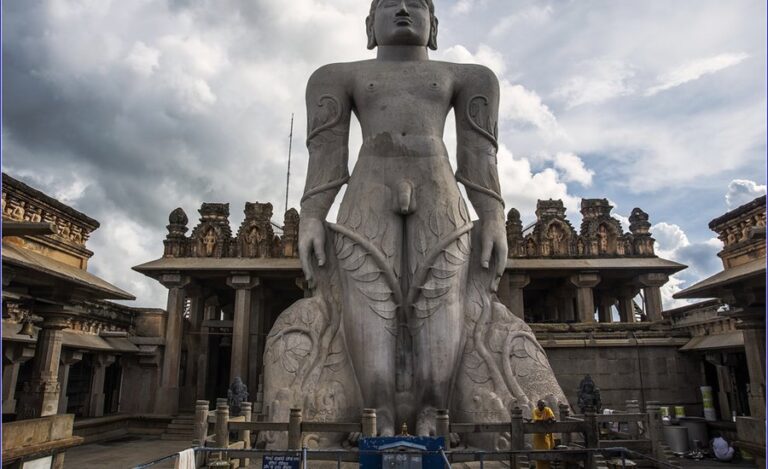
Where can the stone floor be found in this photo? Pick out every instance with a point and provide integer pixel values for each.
(715, 464)
(123, 453)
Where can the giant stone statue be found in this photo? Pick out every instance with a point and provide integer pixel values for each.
(404, 316)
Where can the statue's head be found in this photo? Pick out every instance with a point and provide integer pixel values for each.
(402, 23)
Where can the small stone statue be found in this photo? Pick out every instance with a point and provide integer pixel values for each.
(589, 395)
(236, 395)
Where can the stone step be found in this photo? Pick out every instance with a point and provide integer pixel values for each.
(176, 437)
(185, 426)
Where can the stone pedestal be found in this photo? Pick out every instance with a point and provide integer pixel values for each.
(167, 401)
(13, 356)
(96, 395)
(585, 301)
(41, 392)
(651, 284)
(68, 358)
(243, 285)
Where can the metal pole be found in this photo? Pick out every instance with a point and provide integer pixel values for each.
(288, 175)
(304, 456)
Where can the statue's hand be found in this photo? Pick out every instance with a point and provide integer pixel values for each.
(311, 240)
(493, 241)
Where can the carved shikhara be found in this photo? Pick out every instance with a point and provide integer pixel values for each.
(212, 237)
(601, 235)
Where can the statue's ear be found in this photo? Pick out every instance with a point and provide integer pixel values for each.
(432, 44)
(369, 31)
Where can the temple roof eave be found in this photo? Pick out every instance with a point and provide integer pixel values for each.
(645, 264)
(713, 286)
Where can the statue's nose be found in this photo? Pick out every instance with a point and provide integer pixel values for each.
(402, 10)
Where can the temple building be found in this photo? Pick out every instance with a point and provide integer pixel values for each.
(729, 331)
(67, 349)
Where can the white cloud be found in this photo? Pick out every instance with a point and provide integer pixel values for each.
(695, 69)
(572, 169)
(600, 80)
(741, 191)
(143, 59)
(532, 15)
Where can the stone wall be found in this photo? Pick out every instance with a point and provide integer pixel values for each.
(665, 375)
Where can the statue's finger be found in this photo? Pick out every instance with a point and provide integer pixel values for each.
(319, 251)
(501, 262)
(485, 253)
(306, 266)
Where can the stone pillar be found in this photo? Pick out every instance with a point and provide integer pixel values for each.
(241, 331)
(652, 284)
(627, 304)
(41, 393)
(585, 301)
(605, 308)
(13, 356)
(752, 326)
(100, 363)
(516, 282)
(68, 358)
(167, 401)
(565, 305)
(195, 339)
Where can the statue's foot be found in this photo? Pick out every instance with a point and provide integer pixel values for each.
(425, 422)
(385, 422)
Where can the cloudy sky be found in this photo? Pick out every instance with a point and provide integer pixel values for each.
(128, 109)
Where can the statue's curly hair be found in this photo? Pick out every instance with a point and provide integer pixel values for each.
(432, 44)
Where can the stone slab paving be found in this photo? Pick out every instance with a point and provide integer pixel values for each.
(123, 453)
(708, 463)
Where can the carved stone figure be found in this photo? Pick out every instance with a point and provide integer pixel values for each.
(602, 239)
(236, 395)
(404, 316)
(589, 395)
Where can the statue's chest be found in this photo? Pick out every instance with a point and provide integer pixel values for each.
(406, 86)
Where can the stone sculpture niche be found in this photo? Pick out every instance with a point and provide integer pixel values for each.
(404, 316)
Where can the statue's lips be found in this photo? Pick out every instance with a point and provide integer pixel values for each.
(403, 22)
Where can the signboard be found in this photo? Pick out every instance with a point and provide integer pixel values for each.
(281, 461)
(409, 452)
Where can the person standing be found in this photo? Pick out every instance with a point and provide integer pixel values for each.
(543, 414)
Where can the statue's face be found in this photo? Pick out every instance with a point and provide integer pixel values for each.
(402, 23)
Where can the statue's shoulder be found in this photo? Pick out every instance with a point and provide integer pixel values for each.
(474, 73)
(340, 72)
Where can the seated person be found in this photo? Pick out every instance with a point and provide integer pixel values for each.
(722, 450)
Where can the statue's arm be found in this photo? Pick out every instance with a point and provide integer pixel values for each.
(476, 105)
(328, 116)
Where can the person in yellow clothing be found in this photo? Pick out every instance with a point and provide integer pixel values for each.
(542, 413)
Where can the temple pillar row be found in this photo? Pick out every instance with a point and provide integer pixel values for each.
(167, 401)
(651, 284)
(243, 285)
(68, 358)
(96, 395)
(14, 356)
(41, 392)
(585, 300)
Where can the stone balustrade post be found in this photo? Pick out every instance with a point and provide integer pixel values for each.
(651, 284)
(68, 358)
(516, 431)
(242, 283)
(201, 423)
(443, 426)
(41, 392)
(592, 432)
(167, 401)
(655, 428)
(369, 422)
(245, 435)
(222, 426)
(633, 407)
(294, 429)
(584, 283)
(14, 354)
(565, 412)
